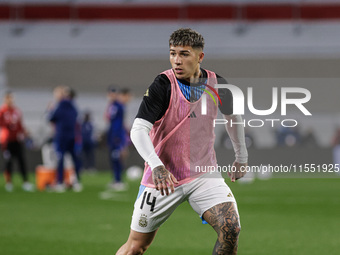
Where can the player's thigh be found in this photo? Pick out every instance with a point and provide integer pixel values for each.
(224, 218)
(208, 192)
(137, 240)
(151, 209)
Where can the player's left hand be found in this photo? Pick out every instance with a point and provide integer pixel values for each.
(239, 170)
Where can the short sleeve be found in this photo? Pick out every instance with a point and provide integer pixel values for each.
(155, 100)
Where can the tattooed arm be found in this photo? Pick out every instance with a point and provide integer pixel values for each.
(162, 178)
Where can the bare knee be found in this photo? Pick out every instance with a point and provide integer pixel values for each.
(230, 231)
(227, 241)
(137, 248)
(137, 243)
(224, 219)
(132, 248)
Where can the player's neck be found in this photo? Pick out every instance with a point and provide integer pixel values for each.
(195, 77)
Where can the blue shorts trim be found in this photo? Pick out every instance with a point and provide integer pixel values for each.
(203, 221)
(141, 190)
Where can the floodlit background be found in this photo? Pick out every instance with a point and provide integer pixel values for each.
(88, 45)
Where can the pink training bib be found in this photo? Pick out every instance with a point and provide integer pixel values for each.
(184, 137)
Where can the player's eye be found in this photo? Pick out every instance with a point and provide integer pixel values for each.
(185, 54)
(172, 54)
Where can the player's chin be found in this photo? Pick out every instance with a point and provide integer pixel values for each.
(181, 75)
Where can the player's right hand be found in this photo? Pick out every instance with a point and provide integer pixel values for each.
(239, 170)
(163, 179)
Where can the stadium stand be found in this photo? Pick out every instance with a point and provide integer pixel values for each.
(169, 10)
(90, 44)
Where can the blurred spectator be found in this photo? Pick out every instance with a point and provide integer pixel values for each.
(336, 138)
(124, 98)
(116, 134)
(67, 134)
(12, 136)
(308, 140)
(88, 143)
(226, 142)
(336, 147)
(287, 136)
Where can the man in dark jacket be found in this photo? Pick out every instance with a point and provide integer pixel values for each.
(64, 117)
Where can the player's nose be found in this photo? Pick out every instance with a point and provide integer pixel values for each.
(178, 60)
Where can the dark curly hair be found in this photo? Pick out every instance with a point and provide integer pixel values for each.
(186, 37)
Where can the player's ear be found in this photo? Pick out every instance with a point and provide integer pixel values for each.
(200, 57)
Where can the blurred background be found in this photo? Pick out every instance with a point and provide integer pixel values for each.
(89, 45)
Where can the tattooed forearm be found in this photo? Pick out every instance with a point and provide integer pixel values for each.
(159, 174)
(163, 180)
(225, 220)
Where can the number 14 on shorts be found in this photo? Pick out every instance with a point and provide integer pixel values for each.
(148, 200)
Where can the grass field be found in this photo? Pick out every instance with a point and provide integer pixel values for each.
(278, 216)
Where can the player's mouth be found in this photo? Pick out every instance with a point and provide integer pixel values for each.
(178, 71)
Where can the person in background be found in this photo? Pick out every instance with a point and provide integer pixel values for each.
(288, 136)
(336, 150)
(88, 142)
(64, 117)
(116, 137)
(12, 135)
(124, 98)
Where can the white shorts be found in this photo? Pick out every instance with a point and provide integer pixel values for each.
(151, 209)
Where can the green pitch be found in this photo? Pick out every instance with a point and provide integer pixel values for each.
(278, 216)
